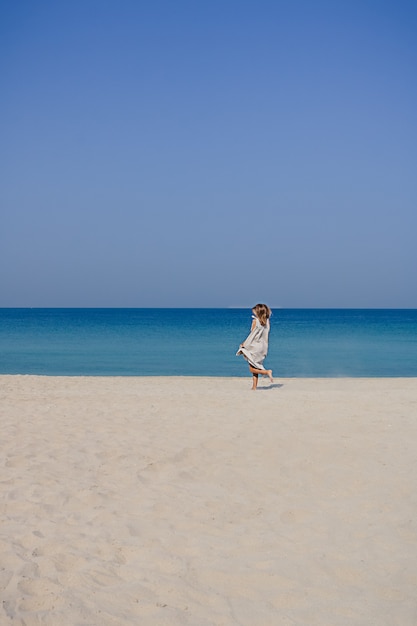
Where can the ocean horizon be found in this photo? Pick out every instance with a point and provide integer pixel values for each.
(203, 342)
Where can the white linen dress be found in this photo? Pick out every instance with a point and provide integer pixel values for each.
(255, 346)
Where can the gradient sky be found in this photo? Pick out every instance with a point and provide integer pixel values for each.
(208, 153)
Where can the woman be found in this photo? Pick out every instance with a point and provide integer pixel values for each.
(255, 346)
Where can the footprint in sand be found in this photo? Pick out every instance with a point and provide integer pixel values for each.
(40, 595)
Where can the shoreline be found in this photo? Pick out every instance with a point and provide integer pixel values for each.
(198, 376)
(185, 500)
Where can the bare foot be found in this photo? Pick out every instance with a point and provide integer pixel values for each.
(270, 376)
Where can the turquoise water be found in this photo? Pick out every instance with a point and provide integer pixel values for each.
(203, 342)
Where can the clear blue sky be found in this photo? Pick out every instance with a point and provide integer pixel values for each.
(208, 153)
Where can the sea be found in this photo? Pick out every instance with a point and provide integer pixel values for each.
(203, 342)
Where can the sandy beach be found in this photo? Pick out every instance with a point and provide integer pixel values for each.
(195, 501)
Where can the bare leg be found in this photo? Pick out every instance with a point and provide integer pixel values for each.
(256, 373)
(254, 381)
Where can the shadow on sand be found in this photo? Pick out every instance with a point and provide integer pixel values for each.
(269, 387)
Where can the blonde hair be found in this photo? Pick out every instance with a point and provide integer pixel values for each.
(262, 312)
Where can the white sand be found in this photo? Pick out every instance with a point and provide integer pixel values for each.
(195, 501)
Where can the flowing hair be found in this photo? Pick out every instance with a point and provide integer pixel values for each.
(262, 312)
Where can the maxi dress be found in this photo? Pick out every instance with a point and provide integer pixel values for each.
(255, 346)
